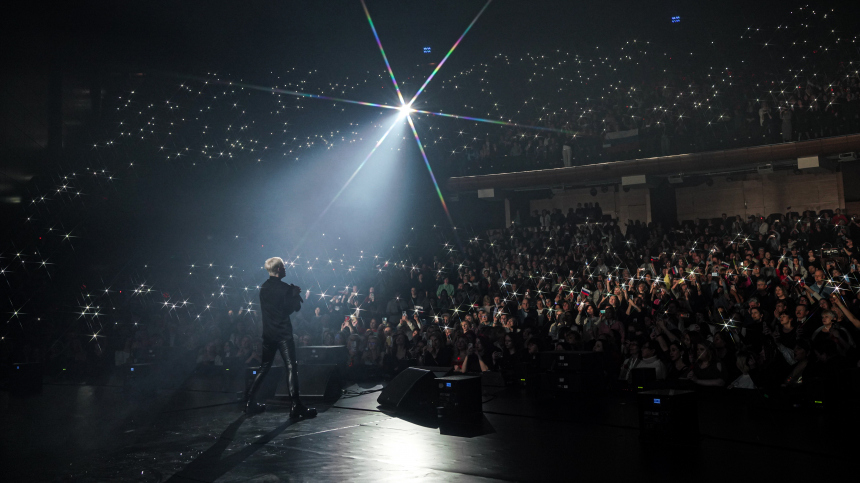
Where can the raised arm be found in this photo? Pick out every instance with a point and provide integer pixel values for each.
(847, 313)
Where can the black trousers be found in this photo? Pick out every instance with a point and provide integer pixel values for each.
(287, 348)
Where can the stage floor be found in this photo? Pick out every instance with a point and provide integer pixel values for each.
(96, 433)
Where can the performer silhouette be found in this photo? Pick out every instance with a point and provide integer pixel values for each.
(277, 301)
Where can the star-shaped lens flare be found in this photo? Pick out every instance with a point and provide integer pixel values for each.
(444, 59)
(405, 110)
(384, 57)
(429, 169)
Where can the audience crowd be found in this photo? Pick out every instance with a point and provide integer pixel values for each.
(728, 302)
(732, 302)
(735, 303)
(678, 114)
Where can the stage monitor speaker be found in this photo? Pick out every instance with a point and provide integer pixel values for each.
(438, 371)
(668, 415)
(851, 378)
(138, 371)
(413, 390)
(459, 395)
(322, 354)
(316, 381)
(571, 382)
(571, 361)
(492, 379)
(643, 378)
(274, 378)
(138, 380)
(26, 378)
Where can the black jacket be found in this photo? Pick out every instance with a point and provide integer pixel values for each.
(277, 301)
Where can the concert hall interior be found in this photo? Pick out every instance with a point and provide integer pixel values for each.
(449, 240)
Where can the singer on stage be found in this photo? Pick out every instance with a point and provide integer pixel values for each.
(277, 301)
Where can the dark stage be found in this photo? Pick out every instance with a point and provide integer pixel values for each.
(194, 433)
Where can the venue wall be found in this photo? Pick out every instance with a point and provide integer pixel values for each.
(779, 192)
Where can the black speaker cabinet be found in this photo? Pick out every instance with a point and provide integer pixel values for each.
(315, 381)
(459, 395)
(413, 390)
(570, 361)
(643, 378)
(438, 371)
(138, 371)
(668, 415)
(138, 380)
(26, 378)
(570, 382)
(492, 379)
(275, 377)
(322, 354)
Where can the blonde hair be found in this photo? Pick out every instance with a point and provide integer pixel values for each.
(273, 264)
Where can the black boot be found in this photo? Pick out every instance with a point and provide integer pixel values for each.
(288, 349)
(300, 411)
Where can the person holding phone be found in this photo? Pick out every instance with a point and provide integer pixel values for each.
(354, 347)
(462, 348)
(476, 356)
(399, 355)
(373, 354)
(587, 319)
(436, 353)
(608, 324)
(277, 301)
(347, 325)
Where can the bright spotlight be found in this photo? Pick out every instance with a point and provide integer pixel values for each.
(405, 109)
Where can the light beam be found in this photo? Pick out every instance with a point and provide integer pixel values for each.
(348, 181)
